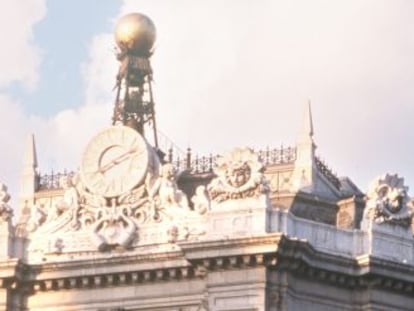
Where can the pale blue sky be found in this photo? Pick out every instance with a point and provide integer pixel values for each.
(64, 36)
(227, 73)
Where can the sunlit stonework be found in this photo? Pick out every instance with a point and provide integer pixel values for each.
(388, 201)
(239, 175)
(5, 210)
(144, 226)
(121, 188)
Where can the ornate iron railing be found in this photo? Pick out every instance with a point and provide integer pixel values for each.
(282, 155)
(197, 165)
(51, 181)
(194, 164)
(205, 164)
(328, 173)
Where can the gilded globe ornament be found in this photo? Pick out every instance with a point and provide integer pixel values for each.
(135, 33)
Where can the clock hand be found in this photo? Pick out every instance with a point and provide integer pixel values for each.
(117, 160)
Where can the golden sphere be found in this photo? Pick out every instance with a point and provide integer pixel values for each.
(135, 33)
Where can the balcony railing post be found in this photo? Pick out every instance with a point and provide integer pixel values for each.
(188, 164)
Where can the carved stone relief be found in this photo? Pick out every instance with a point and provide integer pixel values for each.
(5, 210)
(239, 176)
(388, 201)
(114, 222)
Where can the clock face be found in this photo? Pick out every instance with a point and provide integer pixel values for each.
(114, 161)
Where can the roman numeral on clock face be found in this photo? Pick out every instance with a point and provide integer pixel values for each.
(114, 161)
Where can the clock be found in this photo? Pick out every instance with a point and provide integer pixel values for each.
(114, 161)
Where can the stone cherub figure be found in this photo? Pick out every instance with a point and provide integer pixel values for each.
(69, 203)
(166, 188)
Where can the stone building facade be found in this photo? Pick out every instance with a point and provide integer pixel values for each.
(135, 229)
(268, 230)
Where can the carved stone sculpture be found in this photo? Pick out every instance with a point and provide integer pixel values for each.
(36, 219)
(5, 211)
(388, 201)
(60, 216)
(112, 230)
(201, 201)
(114, 213)
(169, 194)
(172, 234)
(239, 175)
(68, 204)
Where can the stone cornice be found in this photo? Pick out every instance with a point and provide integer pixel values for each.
(9, 269)
(209, 249)
(120, 262)
(300, 258)
(195, 259)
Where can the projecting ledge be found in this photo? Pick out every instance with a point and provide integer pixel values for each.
(262, 244)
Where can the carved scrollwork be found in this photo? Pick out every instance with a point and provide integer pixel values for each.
(112, 222)
(5, 210)
(388, 201)
(239, 175)
(113, 230)
(135, 197)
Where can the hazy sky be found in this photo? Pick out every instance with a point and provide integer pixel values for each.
(227, 73)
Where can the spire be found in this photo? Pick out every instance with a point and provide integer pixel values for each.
(30, 157)
(29, 178)
(304, 172)
(307, 123)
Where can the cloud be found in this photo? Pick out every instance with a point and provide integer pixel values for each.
(238, 73)
(19, 57)
(13, 119)
(62, 137)
(99, 71)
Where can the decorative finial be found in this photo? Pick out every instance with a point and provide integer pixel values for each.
(134, 107)
(307, 125)
(388, 202)
(303, 177)
(306, 130)
(135, 33)
(30, 159)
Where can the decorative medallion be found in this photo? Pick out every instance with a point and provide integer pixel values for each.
(239, 175)
(388, 201)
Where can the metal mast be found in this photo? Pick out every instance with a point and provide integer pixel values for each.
(134, 105)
